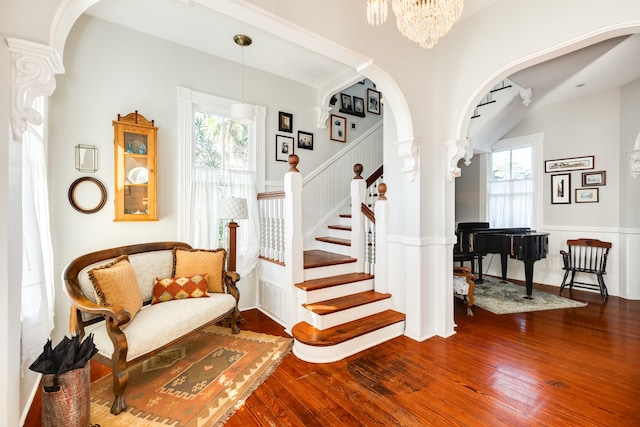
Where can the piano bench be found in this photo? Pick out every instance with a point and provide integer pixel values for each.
(586, 256)
(464, 285)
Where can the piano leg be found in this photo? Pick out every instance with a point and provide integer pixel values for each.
(479, 279)
(503, 263)
(528, 276)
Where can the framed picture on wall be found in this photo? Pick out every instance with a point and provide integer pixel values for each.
(358, 105)
(561, 189)
(594, 179)
(373, 101)
(285, 122)
(305, 140)
(570, 164)
(338, 128)
(587, 195)
(284, 147)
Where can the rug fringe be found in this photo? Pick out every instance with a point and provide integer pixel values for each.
(232, 410)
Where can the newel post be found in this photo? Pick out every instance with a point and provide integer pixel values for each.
(293, 246)
(358, 197)
(382, 253)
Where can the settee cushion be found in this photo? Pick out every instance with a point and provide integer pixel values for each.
(160, 324)
(180, 288)
(187, 262)
(116, 283)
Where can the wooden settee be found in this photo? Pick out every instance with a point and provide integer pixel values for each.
(155, 326)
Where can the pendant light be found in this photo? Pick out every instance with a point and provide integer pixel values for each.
(242, 113)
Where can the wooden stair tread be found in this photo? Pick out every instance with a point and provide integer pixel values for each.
(334, 240)
(327, 282)
(340, 227)
(307, 334)
(343, 303)
(317, 258)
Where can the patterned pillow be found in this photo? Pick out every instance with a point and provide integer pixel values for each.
(116, 284)
(211, 262)
(180, 288)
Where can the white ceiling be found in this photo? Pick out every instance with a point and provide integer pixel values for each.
(600, 67)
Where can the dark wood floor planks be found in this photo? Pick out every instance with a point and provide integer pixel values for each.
(552, 368)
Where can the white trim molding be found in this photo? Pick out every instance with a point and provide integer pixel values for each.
(456, 149)
(409, 152)
(33, 69)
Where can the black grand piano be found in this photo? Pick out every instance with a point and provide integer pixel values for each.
(478, 239)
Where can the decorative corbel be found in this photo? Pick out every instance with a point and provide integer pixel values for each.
(526, 95)
(457, 149)
(408, 151)
(634, 159)
(33, 68)
(323, 115)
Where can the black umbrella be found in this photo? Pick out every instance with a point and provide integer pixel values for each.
(69, 354)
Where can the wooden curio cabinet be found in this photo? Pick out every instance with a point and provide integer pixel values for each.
(135, 168)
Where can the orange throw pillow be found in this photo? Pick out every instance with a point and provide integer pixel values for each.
(211, 262)
(116, 284)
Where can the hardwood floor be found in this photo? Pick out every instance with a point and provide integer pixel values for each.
(575, 367)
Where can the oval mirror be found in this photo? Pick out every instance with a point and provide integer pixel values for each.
(87, 195)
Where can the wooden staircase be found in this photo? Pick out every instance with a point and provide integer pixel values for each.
(342, 313)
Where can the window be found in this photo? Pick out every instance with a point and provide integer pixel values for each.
(220, 143)
(219, 158)
(512, 183)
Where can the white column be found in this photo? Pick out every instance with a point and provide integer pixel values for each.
(293, 249)
(358, 194)
(382, 251)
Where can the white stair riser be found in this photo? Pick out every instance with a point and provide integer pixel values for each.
(328, 354)
(337, 291)
(340, 234)
(345, 221)
(336, 249)
(330, 270)
(327, 321)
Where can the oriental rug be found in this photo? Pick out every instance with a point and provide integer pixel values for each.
(201, 381)
(501, 297)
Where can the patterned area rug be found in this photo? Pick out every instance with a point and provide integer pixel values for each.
(201, 381)
(501, 297)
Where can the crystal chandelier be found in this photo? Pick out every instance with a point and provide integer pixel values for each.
(425, 21)
(421, 21)
(376, 11)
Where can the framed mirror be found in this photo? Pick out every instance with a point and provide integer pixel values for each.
(87, 195)
(86, 158)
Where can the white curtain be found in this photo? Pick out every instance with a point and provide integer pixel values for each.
(510, 203)
(37, 311)
(207, 188)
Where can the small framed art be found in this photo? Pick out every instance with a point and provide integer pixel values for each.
(358, 105)
(587, 195)
(285, 122)
(338, 128)
(305, 140)
(284, 147)
(345, 101)
(373, 101)
(594, 179)
(570, 164)
(561, 189)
